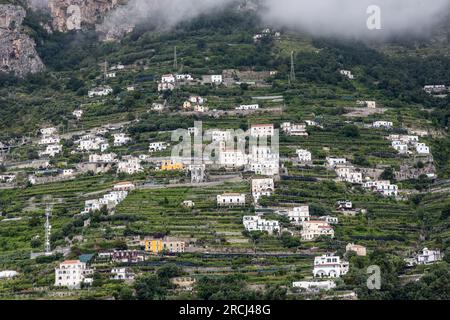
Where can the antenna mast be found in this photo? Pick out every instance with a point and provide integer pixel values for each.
(292, 75)
(48, 230)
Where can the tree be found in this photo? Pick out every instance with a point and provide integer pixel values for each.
(351, 131)
(388, 174)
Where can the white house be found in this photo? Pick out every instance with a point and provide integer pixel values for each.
(349, 174)
(263, 161)
(68, 172)
(121, 139)
(51, 150)
(231, 200)
(400, 147)
(429, 256)
(117, 67)
(124, 186)
(344, 205)
(422, 148)
(8, 274)
(122, 274)
(7, 178)
(130, 166)
(49, 140)
(304, 156)
(347, 74)
(188, 204)
(88, 143)
(298, 215)
(383, 124)
(435, 88)
(110, 75)
(232, 158)
(406, 139)
(292, 129)
(157, 146)
(100, 92)
(256, 223)
(78, 113)
(48, 131)
(262, 130)
(198, 100)
(200, 108)
(166, 86)
(262, 187)
(382, 186)
(248, 107)
(103, 158)
(91, 206)
(313, 229)
(314, 286)
(220, 135)
(216, 79)
(112, 199)
(329, 266)
(73, 273)
(333, 162)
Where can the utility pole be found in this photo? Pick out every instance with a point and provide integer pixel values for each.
(175, 59)
(292, 75)
(105, 71)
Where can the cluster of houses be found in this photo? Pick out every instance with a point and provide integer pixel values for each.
(267, 32)
(349, 173)
(262, 187)
(262, 160)
(73, 274)
(292, 129)
(328, 266)
(435, 89)
(368, 104)
(109, 200)
(403, 144)
(100, 92)
(425, 257)
(348, 74)
(52, 142)
(195, 103)
(90, 142)
(170, 81)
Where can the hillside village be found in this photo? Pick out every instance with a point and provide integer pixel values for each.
(93, 199)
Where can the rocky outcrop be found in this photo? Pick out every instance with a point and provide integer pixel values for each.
(70, 15)
(17, 50)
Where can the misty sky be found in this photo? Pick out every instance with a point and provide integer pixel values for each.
(343, 18)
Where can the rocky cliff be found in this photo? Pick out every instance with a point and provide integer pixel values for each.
(17, 51)
(70, 15)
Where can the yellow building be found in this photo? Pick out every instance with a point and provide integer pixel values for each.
(169, 165)
(159, 245)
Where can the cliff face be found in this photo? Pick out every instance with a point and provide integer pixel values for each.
(17, 51)
(70, 15)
